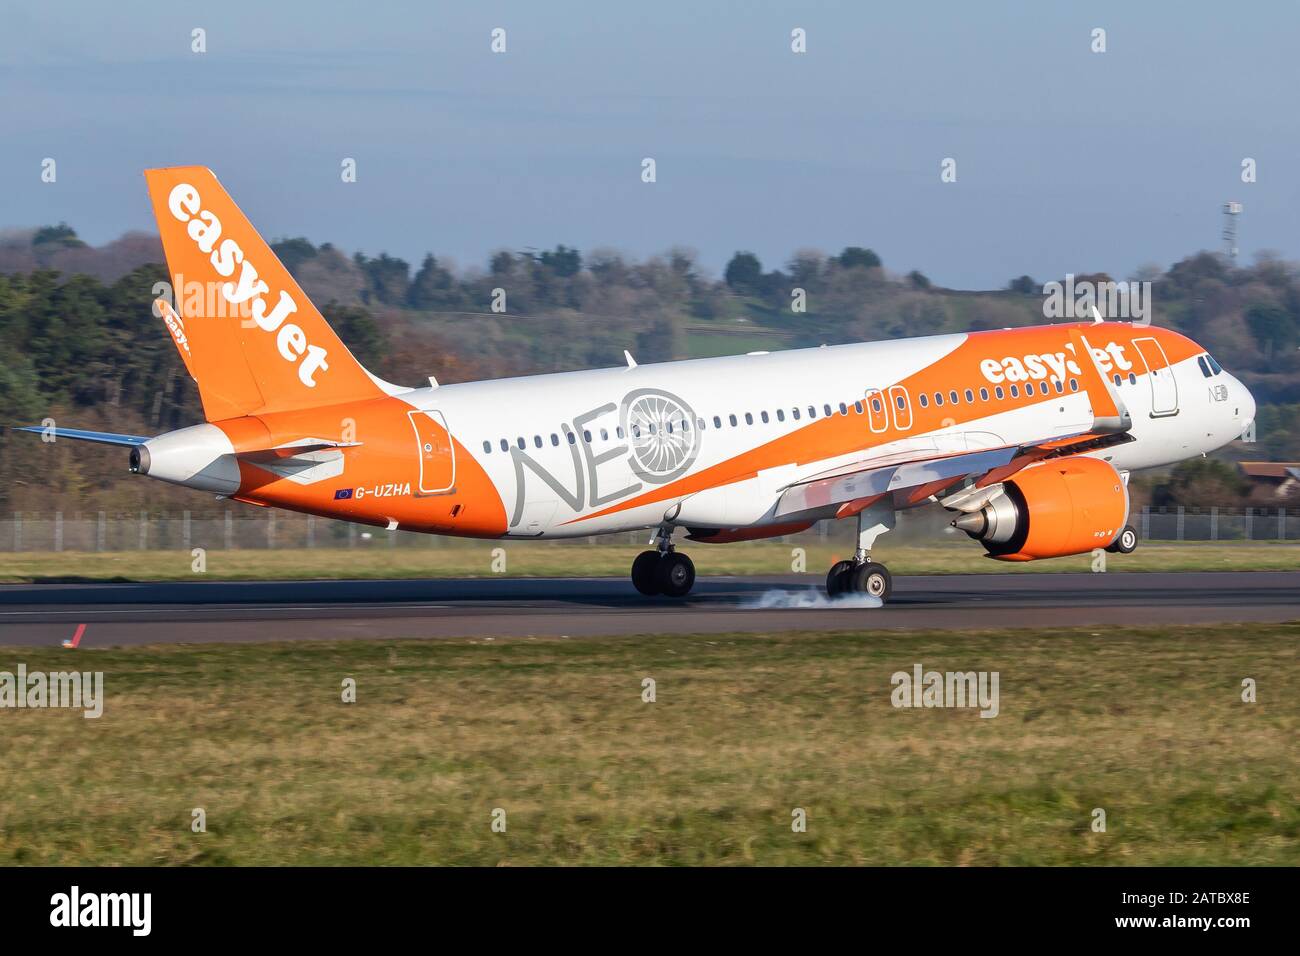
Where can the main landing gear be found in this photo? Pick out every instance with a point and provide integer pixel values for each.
(862, 575)
(846, 577)
(663, 571)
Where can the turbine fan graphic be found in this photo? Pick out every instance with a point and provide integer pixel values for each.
(663, 433)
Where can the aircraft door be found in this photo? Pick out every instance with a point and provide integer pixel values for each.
(1164, 389)
(877, 410)
(902, 410)
(436, 451)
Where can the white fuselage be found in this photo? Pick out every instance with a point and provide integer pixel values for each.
(573, 453)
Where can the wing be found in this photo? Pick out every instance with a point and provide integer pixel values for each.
(913, 477)
(914, 480)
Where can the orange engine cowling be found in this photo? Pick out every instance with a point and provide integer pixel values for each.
(1051, 509)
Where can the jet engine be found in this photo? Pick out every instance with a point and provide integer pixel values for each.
(1048, 510)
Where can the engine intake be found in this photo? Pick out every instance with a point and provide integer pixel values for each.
(1051, 509)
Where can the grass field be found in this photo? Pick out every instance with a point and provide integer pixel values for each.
(556, 559)
(1148, 725)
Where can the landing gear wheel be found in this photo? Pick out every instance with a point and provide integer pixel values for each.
(836, 577)
(873, 579)
(1126, 543)
(645, 573)
(676, 575)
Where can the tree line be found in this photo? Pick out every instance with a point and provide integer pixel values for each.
(80, 343)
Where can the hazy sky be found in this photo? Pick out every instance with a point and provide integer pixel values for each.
(1067, 160)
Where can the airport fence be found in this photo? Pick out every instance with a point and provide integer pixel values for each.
(270, 529)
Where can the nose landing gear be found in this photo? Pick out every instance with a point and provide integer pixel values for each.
(663, 571)
(1126, 543)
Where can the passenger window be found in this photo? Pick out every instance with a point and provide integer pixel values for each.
(1132, 379)
(717, 421)
(857, 406)
(1074, 384)
(573, 439)
(1060, 386)
(749, 419)
(938, 398)
(970, 396)
(924, 400)
(504, 445)
(826, 410)
(537, 441)
(876, 406)
(1042, 387)
(952, 396)
(586, 436)
(487, 448)
(1118, 380)
(520, 441)
(795, 413)
(604, 434)
(999, 393)
(763, 415)
(732, 419)
(1015, 391)
(984, 394)
(699, 424)
(780, 414)
(555, 440)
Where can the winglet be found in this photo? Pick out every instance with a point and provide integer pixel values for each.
(631, 362)
(1109, 413)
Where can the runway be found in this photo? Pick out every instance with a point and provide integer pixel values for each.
(196, 612)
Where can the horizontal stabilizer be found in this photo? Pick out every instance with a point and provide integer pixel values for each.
(102, 438)
(303, 447)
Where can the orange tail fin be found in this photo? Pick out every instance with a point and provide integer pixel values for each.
(253, 341)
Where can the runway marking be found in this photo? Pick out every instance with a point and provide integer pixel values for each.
(232, 607)
(76, 638)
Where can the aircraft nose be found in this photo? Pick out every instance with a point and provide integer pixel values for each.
(1246, 412)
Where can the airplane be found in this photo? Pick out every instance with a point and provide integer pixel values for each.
(1027, 436)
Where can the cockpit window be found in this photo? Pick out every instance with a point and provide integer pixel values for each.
(1205, 366)
(1213, 364)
